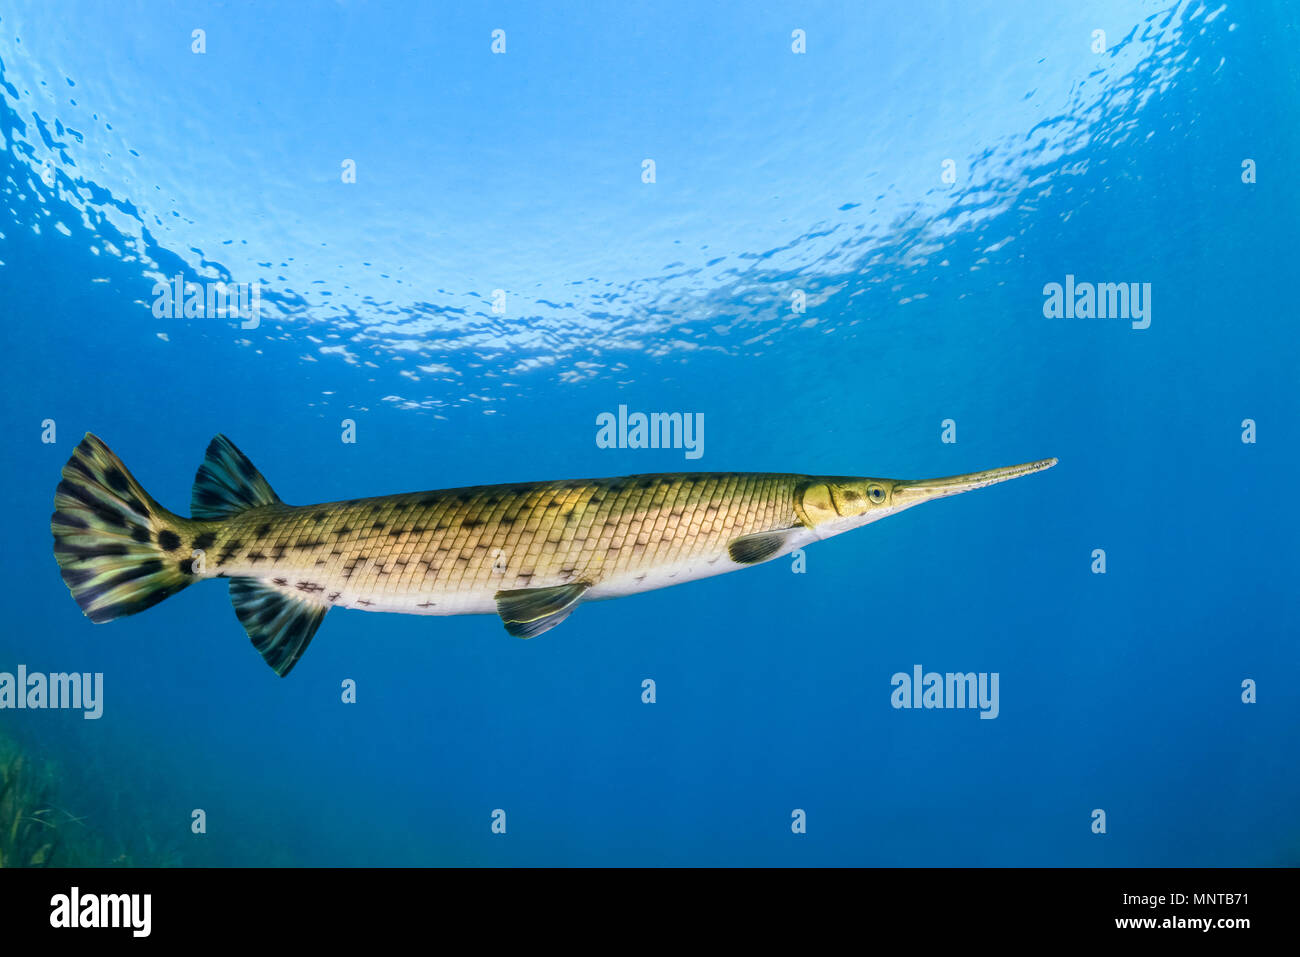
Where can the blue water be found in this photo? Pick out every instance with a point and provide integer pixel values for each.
(129, 157)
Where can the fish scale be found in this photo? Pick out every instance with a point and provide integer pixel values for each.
(451, 551)
(530, 552)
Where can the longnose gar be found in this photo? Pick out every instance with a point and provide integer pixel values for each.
(529, 552)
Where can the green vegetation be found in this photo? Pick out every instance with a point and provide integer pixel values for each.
(105, 811)
(37, 830)
(33, 830)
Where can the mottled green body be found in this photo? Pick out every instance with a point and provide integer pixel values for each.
(450, 551)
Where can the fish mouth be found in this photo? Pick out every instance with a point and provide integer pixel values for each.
(909, 492)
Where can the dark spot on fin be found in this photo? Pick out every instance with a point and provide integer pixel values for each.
(71, 521)
(280, 626)
(110, 537)
(528, 612)
(228, 483)
(759, 547)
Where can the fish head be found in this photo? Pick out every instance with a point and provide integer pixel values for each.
(830, 505)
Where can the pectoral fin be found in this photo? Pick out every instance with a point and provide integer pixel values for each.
(759, 547)
(527, 612)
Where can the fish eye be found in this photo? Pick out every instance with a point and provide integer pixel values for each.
(876, 494)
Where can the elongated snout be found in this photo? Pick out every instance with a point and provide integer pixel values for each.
(907, 493)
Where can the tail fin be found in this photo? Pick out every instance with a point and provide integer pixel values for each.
(119, 550)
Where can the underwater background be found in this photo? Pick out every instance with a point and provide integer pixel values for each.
(460, 247)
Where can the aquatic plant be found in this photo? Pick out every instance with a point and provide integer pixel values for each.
(32, 828)
(37, 829)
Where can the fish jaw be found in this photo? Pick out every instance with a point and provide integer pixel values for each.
(832, 505)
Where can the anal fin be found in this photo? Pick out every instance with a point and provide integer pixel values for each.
(528, 612)
(280, 626)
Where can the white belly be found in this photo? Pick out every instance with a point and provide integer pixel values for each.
(481, 601)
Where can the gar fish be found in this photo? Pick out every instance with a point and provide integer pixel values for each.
(529, 552)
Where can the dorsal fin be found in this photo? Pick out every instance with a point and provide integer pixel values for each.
(281, 626)
(227, 483)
